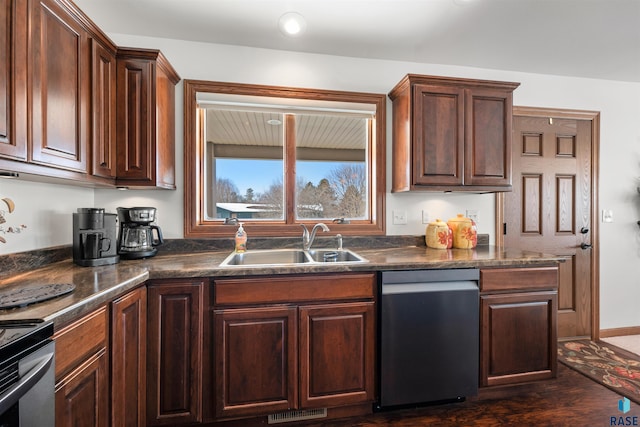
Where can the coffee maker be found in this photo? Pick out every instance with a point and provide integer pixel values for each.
(94, 237)
(138, 236)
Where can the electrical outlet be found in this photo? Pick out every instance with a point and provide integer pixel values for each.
(399, 217)
(607, 215)
(473, 215)
(425, 217)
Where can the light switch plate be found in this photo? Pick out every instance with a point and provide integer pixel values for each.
(473, 215)
(399, 217)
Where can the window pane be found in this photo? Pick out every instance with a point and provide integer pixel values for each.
(245, 149)
(331, 166)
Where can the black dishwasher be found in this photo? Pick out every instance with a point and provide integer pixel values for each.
(429, 332)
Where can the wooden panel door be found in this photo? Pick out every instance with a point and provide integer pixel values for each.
(256, 364)
(61, 88)
(337, 351)
(13, 79)
(82, 396)
(103, 144)
(175, 346)
(488, 137)
(518, 337)
(136, 119)
(438, 135)
(550, 207)
(129, 359)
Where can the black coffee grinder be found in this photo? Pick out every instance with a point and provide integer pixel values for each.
(94, 237)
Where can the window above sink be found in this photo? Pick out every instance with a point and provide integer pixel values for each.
(276, 157)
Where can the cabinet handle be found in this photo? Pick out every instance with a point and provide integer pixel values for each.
(584, 230)
(585, 246)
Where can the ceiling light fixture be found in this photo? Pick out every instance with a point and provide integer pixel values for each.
(292, 24)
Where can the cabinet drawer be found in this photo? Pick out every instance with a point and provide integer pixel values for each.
(502, 279)
(77, 341)
(290, 289)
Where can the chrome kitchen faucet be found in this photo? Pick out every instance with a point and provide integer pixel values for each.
(307, 240)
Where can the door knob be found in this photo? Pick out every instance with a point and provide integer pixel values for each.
(585, 246)
(584, 230)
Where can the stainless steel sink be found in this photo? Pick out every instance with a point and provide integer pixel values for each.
(335, 256)
(267, 257)
(284, 257)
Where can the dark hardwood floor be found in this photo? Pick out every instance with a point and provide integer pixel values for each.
(570, 400)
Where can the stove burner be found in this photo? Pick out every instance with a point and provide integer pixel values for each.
(25, 295)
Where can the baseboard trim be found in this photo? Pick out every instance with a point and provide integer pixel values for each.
(618, 332)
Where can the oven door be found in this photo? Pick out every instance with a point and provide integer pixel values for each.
(31, 400)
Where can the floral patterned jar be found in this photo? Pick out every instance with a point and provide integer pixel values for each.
(438, 235)
(465, 234)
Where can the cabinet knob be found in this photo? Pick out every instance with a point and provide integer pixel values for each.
(585, 246)
(584, 230)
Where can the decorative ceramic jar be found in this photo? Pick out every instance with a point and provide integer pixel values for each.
(465, 234)
(438, 235)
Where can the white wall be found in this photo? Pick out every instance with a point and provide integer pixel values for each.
(619, 104)
(42, 214)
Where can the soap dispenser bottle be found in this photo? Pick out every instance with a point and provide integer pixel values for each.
(241, 239)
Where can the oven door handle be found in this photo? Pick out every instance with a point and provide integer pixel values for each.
(13, 394)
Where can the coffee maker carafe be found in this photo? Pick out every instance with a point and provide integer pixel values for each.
(94, 237)
(138, 237)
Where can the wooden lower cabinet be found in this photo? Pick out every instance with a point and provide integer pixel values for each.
(82, 372)
(175, 351)
(82, 397)
(518, 312)
(255, 361)
(336, 354)
(101, 365)
(317, 350)
(129, 359)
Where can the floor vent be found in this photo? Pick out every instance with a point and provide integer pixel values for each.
(286, 417)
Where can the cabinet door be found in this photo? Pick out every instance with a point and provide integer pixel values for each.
(336, 354)
(175, 346)
(135, 120)
(438, 135)
(488, 116)
(128, 359)
(61, 88)
(518, 337)
(13, 79)
(256, 363)
(82, 396)
(103, 157)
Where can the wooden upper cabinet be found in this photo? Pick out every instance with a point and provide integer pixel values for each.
(60, 87)
(103, 75)
(146, 119)
(451, 134)
(13, 79)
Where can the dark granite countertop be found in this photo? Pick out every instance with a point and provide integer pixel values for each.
(97, 285)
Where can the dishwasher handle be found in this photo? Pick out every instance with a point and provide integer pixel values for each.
(428, 276)
(426, 287)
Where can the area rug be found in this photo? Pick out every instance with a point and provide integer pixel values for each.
(611, 366)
